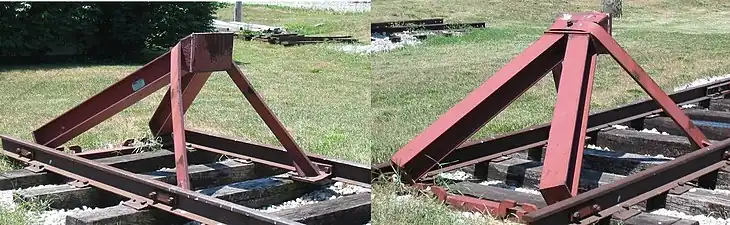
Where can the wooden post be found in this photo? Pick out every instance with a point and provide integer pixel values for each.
(237, 13)
(613, 7)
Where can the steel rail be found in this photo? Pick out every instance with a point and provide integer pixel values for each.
(276, 156)
(142, 192)
(483, 150)
(608, 199)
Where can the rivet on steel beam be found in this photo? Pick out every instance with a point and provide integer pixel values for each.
(152, 195)
(576, 215)
(596, 208)
(24, 153)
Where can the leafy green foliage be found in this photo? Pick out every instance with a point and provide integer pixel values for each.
(99, 30)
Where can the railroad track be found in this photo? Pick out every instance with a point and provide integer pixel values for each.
(623, 141)
(237, 181)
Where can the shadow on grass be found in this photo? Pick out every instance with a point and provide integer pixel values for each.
(15, 63)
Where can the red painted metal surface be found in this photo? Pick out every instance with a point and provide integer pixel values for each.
(106, 104)
(564, 154)
(187, 66)
(501, 210)
(302, 163)
(455, 126)
(178, 119)
(161, 122)
(580, 37)
(207, 52)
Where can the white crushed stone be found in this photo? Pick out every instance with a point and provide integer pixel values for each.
(654, 131)
(714, 192)
(591, 146)
(471, 215)
(336, 190)
(703, 219)
(334, 5)
(688, 106)
(456, 175)
(491, 182)
(620, 127)
(379, 43)
(528, 191)
(503, 185)
(6, 200)
(660, 156)
(702, 81)
(56, 217)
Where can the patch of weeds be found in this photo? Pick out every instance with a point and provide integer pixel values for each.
(147, 144)
(308, 28)
(24, 212)
(7, 164)
(473, 36)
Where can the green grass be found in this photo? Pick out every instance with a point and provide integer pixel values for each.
(320, 94)
(674, 41)
(305, 21)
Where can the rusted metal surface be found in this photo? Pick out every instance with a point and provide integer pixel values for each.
(106, 104)
(501, 210)
(455, 126)
(631, 190)
(109, 152)
(275, 156)
(144, 193)
(178, 119)
(434, 144)
(161, 122)
(188, 66)
(580, 36)
(302, 163)
(207, 52)
(564, 153)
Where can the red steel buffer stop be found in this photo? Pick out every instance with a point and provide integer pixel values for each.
(186, 68)
(569, 48)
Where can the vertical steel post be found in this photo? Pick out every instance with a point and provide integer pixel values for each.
(178, 119)
(564, 153)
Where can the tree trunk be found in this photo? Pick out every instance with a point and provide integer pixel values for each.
(612, 7)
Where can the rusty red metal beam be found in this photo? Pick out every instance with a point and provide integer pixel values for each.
(455, 126)
(192, 83)
(502, 209)
(143, 193)
(302, 163)
(178, 118)
(564, 154)
(605, 200)
(106, 104)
